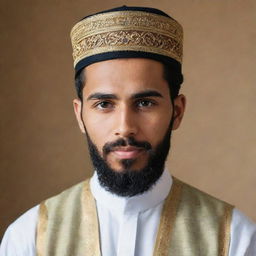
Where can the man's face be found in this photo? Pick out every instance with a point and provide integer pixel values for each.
(127, 100)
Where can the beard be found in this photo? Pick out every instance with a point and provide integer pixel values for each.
(129, 182)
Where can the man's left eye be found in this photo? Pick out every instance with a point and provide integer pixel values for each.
(145, 103)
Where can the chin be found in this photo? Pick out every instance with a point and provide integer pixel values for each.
(128, 165)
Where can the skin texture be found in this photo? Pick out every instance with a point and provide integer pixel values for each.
(125, 98)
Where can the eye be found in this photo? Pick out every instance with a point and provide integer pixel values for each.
(104, 105)
(144, 103)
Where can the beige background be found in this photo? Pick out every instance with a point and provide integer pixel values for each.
(42, 150)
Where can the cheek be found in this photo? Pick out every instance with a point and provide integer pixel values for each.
(98, 129)
(155, 128)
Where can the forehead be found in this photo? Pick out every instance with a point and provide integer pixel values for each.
(125, 76)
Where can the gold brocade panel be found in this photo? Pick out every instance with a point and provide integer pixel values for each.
(192, 224)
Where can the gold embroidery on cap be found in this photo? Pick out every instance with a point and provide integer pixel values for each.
(127, 31)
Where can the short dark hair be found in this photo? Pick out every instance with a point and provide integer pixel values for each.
(173, 77)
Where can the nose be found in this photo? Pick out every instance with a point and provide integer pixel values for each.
(127, 123)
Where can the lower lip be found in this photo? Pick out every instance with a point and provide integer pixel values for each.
(128, 154)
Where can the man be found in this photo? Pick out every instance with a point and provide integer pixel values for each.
(128, 76)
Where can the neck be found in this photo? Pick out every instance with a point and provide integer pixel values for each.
(137, 203)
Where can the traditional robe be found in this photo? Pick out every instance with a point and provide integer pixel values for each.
(128, 226)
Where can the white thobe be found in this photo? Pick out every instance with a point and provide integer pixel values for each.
(128, 225)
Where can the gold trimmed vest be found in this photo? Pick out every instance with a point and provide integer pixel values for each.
(192, 223)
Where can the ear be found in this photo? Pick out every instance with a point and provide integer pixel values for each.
(77, 104)
(179, 109)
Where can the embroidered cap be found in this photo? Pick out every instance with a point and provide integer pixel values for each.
(127, 32)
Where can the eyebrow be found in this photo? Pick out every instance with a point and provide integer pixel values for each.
(147, 93)
(102, 96)
(142, 94)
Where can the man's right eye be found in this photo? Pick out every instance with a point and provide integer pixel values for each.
(104, 105)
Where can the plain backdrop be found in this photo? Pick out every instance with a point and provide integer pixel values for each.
(41, 149)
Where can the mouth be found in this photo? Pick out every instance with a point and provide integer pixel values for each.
(128, 152)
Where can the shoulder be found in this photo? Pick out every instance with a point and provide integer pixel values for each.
(243, 235)
(66, 200)
(20, 235)
(243, 230)
(70, 192)
(194, 197)
(19, 238)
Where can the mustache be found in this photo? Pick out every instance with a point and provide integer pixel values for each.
(130, 141)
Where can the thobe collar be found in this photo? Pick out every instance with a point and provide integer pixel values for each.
(134, 204)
